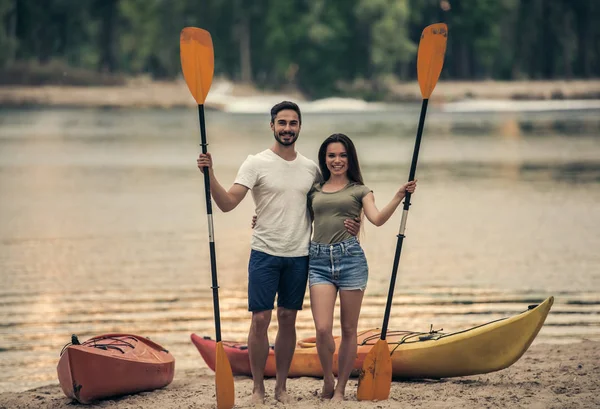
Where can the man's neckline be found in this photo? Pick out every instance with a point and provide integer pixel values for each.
(282, 158)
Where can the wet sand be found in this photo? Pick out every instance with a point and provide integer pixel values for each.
(547, 376)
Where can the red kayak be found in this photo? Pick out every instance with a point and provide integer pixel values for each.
(112, 365)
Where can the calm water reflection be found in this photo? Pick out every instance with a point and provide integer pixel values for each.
(103, 225)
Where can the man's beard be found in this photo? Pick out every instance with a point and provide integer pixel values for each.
(291, 142)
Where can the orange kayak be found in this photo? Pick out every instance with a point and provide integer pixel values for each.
(112, 365)
(485, 348)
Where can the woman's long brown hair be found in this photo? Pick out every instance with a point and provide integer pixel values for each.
(354, 173)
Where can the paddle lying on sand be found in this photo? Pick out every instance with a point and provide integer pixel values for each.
(376, 375)
(197, 63)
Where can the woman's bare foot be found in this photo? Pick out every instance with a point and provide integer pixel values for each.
(338, 397)
(328, 385)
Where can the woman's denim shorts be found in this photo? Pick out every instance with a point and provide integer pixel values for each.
(342, 264)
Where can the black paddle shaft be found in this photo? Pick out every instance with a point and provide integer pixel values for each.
(211, 232)
(411, 177)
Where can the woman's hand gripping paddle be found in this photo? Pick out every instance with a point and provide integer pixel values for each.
(197, 63)
(376, 375)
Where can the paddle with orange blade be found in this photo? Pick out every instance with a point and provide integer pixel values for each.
(375, 378)
(197, 63)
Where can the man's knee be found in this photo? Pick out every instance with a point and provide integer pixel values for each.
(260, 322)
(286, 316)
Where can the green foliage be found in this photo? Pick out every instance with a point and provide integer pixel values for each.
(316, 46)
(386, 22)
(8, 39)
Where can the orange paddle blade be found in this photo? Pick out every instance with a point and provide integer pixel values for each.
(197, 61)
(375, 379)
(223, 380)
(430, 58)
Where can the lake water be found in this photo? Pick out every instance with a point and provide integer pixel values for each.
(103, 225)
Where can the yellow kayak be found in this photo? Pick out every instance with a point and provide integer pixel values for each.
(486, 348)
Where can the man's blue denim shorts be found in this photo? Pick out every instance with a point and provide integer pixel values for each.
(342, 264)
(269, 275)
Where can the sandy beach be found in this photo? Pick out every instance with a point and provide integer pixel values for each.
(143, 93)
(547, 376)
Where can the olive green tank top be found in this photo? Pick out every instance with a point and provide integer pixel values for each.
(330, 209)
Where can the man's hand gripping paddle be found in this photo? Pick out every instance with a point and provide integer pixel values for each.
(197, 63)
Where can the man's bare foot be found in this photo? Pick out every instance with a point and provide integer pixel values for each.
(337, 397)
(328, 384)
(282, 396)
(258, 397)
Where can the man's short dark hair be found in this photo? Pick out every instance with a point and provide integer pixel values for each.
(285, 105)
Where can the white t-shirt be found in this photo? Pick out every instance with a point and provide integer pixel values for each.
(279, 189)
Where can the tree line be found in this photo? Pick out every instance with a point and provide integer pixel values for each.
(316, 46)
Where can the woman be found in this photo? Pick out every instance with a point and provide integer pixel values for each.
(336, 259)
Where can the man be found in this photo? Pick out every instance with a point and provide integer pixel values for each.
(280, 179)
